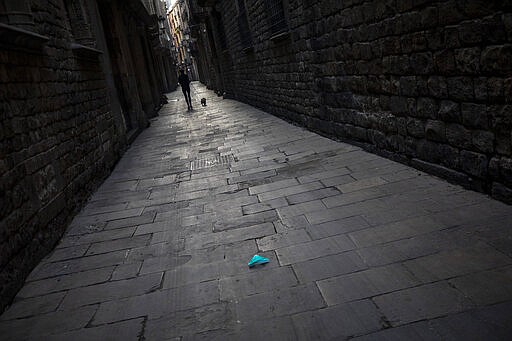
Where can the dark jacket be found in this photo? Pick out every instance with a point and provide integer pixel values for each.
(184, 81)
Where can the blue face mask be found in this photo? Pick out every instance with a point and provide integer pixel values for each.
(256, 259)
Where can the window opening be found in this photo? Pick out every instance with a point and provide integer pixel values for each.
(243, 25)
(276, 17)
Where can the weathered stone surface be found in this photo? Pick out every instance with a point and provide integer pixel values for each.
(456, 263)
(366, 283)
(468, 60)
(496, 58)
(47, 270)
(46, 325)
(341, 321)
(26, 307)
(426, 108)
(159, 303)
(125, 330)
(442, 62)
(111, 291)
(341, 226)
(466, 325)
(460, 88)
(437, 87)
(362, 261)
(200, 320)
(63, 126)
(502, 192)
(281, 302)
(474, 163)
(449, 112)
(284, 239)
(475, 115)
(483, 141)
(435, 131)
(411, 305)
(65, 282)
(314, 249)
(475, 286)
(256, 282)
(328, 266)
(458, 136)
(506, 169)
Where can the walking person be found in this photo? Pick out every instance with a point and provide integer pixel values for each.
(185, 87)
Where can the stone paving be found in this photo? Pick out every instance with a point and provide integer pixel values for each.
(360, 247)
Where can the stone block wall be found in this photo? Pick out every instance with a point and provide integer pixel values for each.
(428, 83)
(58, 140)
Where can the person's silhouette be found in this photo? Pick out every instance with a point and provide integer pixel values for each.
(185, 87)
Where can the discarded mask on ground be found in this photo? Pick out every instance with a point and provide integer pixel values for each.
(257, 259)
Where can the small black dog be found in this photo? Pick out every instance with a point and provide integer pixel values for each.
(203, 102)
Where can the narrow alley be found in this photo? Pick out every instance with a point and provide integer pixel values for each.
(359, 246)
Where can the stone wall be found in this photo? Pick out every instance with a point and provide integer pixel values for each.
(428, 83)
(62, 125)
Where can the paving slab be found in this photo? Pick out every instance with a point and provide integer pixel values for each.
(96, 237)
(118, 244)
(256, 282)
(341, 226)
(125, 271)
(158, 303)
(310, 186)
(283, 239)
(423, 302)
(360, 247)
(476, 285)
(126, 330)
(145, 218)
(264, 206)
(277, 328)
(111, 290)
(273, 186)
(299, 209)
(452, 263)
(278, 302)
(313, 195)
(66, 253)
(200, 241)
(65, 282)
(200, 320)
(314, 249)
(76, 265)
(402, 229)
(42, 325)
(366, 283)
(329, 267)
(338, 322)
(25, 307)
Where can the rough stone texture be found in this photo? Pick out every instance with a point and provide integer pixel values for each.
(62, 129)
(391, 253)
(426, 80)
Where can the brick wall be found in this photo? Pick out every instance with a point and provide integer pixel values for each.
(58, 141)
(428, 83)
